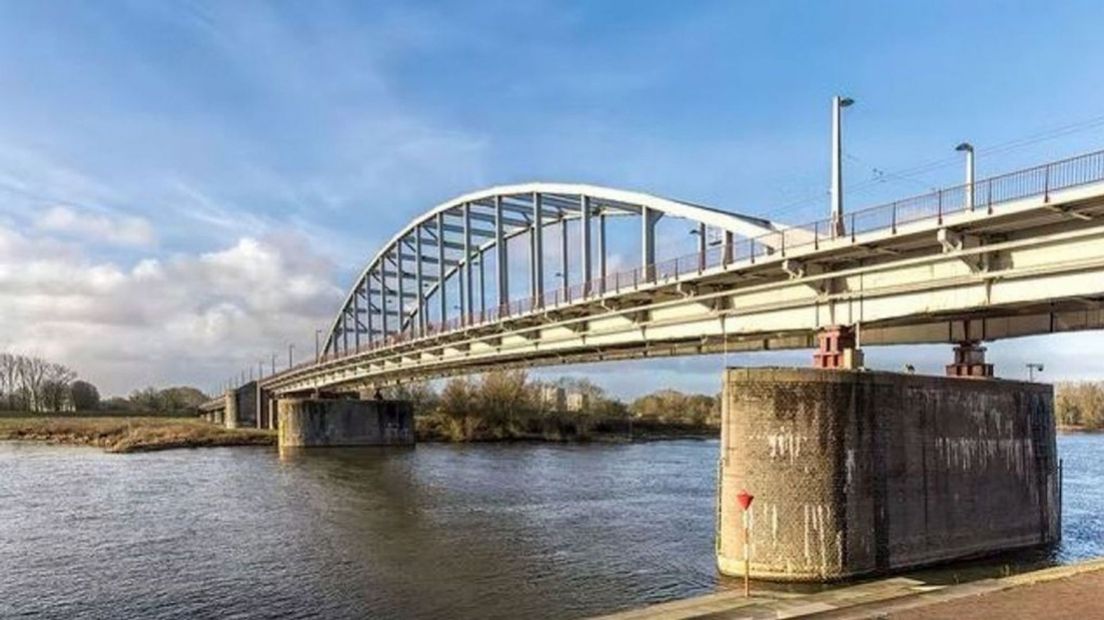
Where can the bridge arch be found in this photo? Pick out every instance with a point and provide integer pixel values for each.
(409, 278)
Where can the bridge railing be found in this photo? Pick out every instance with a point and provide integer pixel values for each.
(985, 195)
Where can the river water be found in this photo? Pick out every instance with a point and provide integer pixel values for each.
(440, 531)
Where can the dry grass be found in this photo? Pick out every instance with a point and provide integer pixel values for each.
(129, 434)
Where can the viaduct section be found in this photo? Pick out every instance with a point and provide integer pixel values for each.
(855, 472)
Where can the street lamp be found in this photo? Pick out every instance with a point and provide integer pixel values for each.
(968, 148)
(291, 348)
(838, 103)
(1031, 368)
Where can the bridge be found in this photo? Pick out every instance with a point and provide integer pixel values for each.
(1013, 255)
(849, 460)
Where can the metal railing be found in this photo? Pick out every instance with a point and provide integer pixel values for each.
(934, 206)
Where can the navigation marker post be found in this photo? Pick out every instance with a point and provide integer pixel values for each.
(745, 502)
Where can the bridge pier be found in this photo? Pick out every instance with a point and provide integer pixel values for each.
(230, 414)
(264, 408)
(330, 422)
(858, 473)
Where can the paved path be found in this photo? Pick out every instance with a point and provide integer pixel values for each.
(1060, 592)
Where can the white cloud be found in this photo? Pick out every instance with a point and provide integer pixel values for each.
(188, 318)
(98, 227)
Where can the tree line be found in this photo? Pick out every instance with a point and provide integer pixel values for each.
(32, 384)
(1080, 404)
(507, 404)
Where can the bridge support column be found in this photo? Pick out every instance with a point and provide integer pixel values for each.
(264, 409)
(858, 473)
(969, 361)
(837, 349)
(321, 422)
(230, 414)
(273, 416)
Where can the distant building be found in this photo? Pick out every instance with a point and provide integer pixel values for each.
(552, 397)
(578, 401)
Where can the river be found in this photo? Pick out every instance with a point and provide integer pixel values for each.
(440, 531)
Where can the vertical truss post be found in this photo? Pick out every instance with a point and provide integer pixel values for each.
(441, 297)
(584, 241)
(701, 247)
(356, 316)
(466, 297)
(647, 242)
(563, 256)
(399, 288)
(602, 250)
(368, 307)
(344, 333)
(537, 251)
(420, 297)
(384, 322)
(729, 240)
(482, 288)
(501, 258)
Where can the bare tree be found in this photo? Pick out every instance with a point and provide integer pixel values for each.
(54, 389)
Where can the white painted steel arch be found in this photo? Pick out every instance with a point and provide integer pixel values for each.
(515, 210)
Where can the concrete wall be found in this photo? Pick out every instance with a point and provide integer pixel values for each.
(344, 422)
(230, 417)
(867, 472)
(246, 401)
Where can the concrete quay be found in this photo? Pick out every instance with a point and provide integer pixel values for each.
(1059, 592)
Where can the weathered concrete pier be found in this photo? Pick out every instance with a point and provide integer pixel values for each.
(859, 472)
(315, 422)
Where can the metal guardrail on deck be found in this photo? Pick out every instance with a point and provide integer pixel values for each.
(987, 194)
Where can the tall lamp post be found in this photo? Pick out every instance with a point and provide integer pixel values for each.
(291, 348)
(968, 148)
(1031, 368)
(838, 103)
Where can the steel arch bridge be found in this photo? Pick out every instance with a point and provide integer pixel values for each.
(408, 288)
(1017, 254)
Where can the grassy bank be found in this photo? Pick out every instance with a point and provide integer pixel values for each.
(474, 429)
(128, 434)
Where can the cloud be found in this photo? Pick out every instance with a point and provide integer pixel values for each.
(188, 318)
(98, 227)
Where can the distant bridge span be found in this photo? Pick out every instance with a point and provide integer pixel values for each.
(1013, 255)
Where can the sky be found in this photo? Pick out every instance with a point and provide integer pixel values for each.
(186, 188)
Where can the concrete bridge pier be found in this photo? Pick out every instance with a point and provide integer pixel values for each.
(230, 413)
(858, 472)
(265, 410)
(330, 422)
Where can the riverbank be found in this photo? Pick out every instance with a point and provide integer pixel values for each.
(439, 430)
(1057, 592)
(121, 434)
(1077, 429)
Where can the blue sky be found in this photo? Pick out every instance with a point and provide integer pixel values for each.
(167, 169)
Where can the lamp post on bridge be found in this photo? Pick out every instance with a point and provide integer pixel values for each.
(968, 148)
(838, 103)
(1031, 368)
(291, 348)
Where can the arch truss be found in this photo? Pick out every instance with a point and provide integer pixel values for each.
(461, 263)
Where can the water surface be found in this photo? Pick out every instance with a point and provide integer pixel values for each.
(479, 531)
